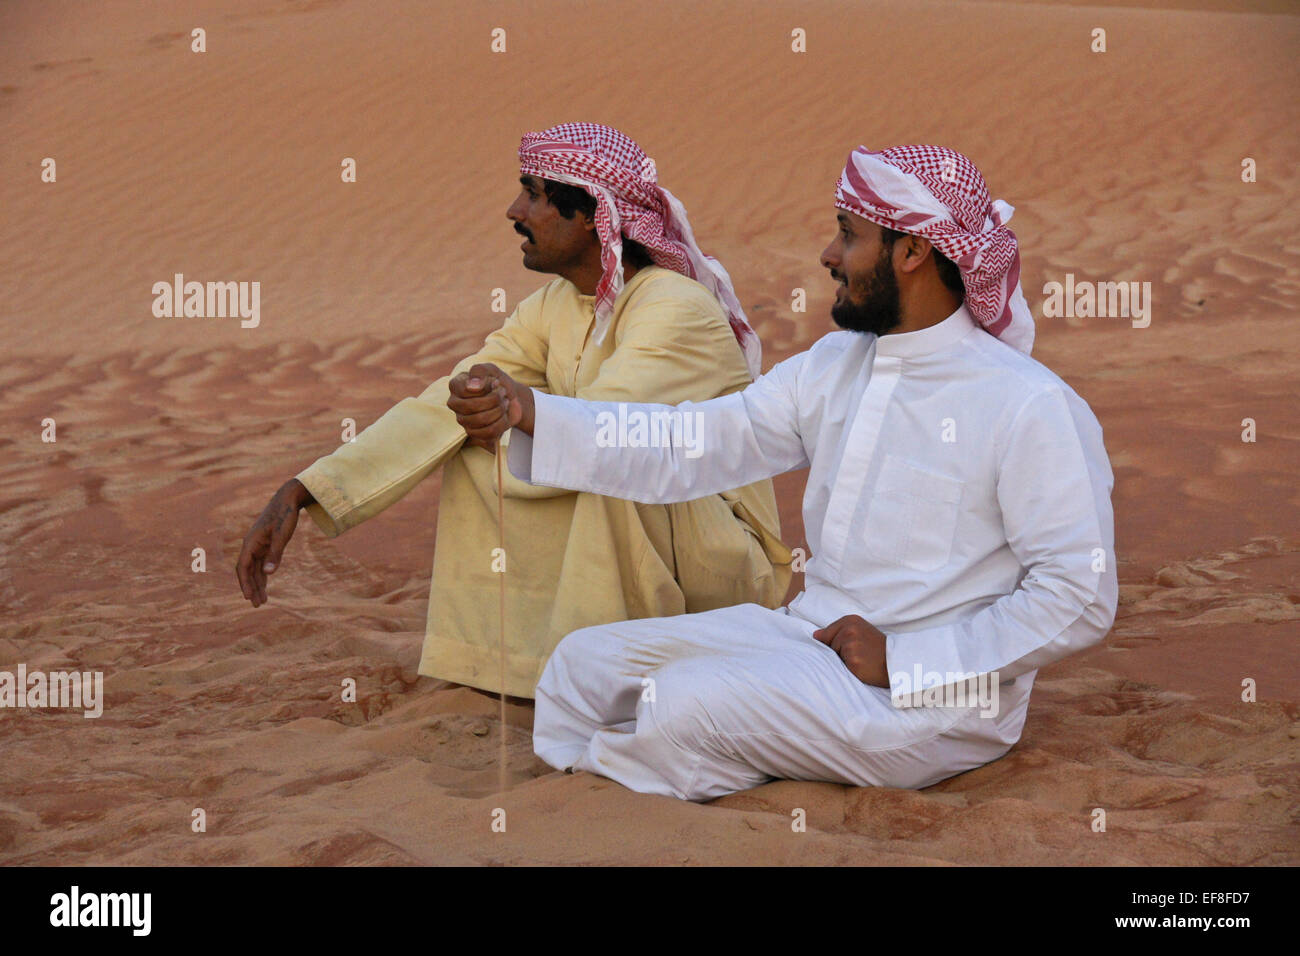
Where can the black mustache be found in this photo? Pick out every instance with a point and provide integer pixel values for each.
(524, 232)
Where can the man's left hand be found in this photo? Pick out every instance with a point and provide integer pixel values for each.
(861, 647)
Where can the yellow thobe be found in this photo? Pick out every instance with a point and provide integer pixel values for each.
(571, 559)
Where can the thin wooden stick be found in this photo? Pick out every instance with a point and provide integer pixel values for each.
(501, 528)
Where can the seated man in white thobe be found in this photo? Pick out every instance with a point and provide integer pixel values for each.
(957, 509)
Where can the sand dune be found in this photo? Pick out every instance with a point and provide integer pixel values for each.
(173, 432)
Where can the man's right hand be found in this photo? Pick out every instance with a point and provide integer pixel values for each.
(265, 541)
(488, 402)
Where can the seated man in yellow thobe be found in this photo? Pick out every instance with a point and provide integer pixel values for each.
(638, 314)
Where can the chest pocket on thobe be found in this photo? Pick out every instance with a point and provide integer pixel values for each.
(912, 518)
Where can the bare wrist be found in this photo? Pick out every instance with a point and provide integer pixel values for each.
(297, 494)
(529, 412)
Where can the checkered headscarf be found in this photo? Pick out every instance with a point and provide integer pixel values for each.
(938, 194)
(630, 202)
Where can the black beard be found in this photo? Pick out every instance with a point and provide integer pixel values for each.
(879, 313)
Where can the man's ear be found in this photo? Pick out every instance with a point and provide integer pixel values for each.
(916, 250)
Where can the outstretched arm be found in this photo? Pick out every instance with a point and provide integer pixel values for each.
(384, 462)
(415, 437)
(666, 349)
(650, 453)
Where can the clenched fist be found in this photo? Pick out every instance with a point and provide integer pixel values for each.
(861, 647)
(487, 402)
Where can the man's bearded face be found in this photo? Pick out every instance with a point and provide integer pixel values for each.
(861, 262)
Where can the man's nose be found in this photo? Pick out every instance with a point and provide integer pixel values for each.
(829, 258)
(516, 211)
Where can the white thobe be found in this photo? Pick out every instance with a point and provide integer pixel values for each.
(958, 498)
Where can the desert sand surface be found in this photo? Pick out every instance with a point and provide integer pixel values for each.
(172, 432)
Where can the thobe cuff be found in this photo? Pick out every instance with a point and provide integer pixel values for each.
(925, 659)
(519, 455)
(561, 447)
(329, 506)
(516, 487)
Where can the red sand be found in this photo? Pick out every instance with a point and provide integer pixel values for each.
(172, 433)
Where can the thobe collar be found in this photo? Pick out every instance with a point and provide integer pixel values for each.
(589, 301)
(932, 339)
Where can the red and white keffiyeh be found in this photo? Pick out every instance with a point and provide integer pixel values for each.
(630, 202)
(938, 194)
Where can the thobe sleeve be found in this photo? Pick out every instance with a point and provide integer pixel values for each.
(1053, 488)
(733, 441)
(414, 437)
